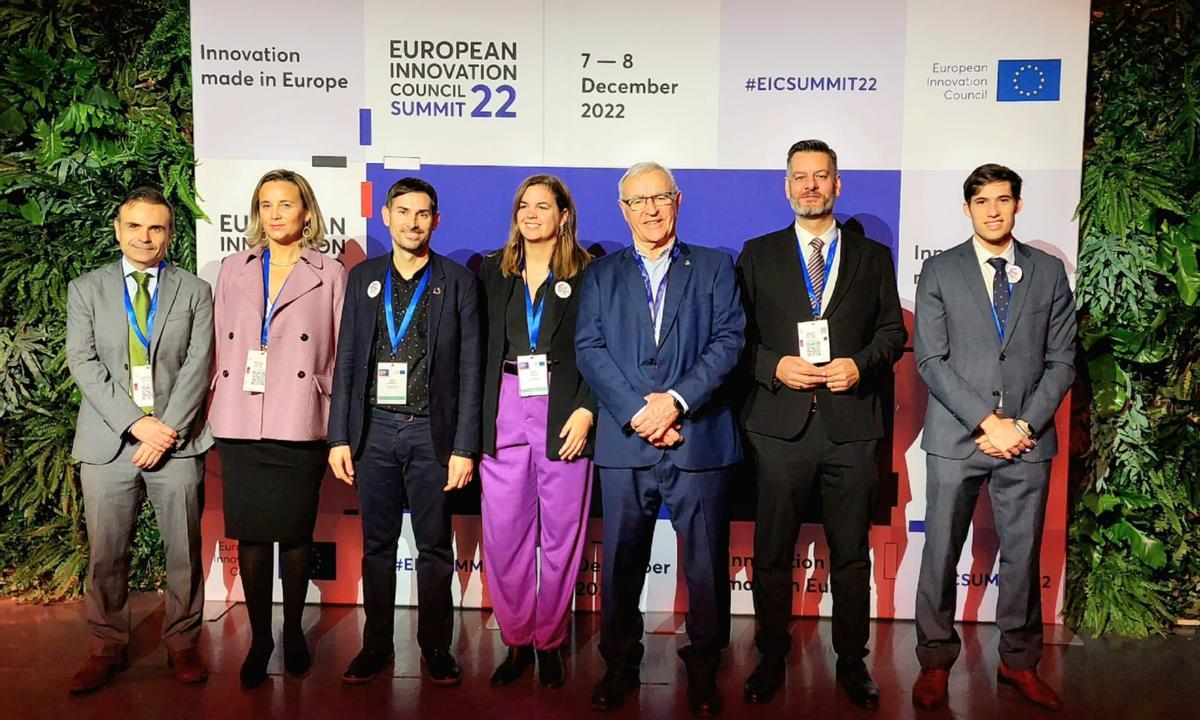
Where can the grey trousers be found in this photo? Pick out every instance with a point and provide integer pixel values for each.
(112, 494)
(1018, 491)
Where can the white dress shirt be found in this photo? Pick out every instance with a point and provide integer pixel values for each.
(805, 239)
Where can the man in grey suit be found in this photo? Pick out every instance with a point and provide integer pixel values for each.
(139, 345)
(995, 345)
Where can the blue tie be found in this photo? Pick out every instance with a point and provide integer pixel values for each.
(1000, 291)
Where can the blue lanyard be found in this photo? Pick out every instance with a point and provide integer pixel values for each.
(812, 293)
(397, 336)
(533, 320)
(268, 306)
(656, 301)
(1002, 326)
(144, 339)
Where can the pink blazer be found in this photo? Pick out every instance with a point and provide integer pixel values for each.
(302, 345)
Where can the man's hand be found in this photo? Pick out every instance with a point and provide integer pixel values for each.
(841, 374)
(1004, 436)
(460, 471)
(986, 447)
(146, 456)
(658, 414)
(669, 438)
(151, 431)
(798, 373)
(575, 432)
(342, 464)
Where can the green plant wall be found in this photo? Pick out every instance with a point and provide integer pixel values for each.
(95, 97)
(1134, 539)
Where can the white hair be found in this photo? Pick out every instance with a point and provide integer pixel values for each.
(642, 168)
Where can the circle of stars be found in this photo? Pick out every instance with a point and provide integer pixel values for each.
(1016, 80)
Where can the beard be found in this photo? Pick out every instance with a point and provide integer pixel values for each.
(810, 211)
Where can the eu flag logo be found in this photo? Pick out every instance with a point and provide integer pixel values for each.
(1028, 80)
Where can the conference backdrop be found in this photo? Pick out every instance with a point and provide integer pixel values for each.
(474, 96)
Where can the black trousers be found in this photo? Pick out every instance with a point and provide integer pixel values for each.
(398, 467)
(847, 474)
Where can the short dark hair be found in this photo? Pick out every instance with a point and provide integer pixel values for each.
(990, 173)
(407, 185)
(813, 146)
(145, 194)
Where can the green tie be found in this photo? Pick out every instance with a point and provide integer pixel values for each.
(141, 311)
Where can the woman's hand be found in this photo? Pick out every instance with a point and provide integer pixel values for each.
(575, 432)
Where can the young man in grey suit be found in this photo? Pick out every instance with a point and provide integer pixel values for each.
(995, 345)
(139, 345)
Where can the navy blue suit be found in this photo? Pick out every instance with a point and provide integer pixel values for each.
(701, 338)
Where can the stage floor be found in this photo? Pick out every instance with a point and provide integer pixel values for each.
(40, 647)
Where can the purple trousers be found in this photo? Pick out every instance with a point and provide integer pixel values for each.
(531, 501)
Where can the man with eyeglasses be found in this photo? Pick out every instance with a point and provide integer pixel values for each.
(823, 330)
(658, 333)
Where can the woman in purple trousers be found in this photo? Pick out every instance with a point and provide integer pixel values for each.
(536, 471)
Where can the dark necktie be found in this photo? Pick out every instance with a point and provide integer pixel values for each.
(816, 272)
(1000, 291)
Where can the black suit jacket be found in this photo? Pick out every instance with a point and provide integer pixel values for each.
(568, 390)
(865, 325)
(454, 356)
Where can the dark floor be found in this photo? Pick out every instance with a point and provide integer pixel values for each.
(42, 646)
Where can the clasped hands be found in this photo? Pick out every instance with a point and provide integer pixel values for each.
(839, 374)
(655, 422)
(1000, 438)
(157, 439)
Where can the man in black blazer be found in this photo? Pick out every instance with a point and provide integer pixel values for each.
(823, 328)
(404, 421)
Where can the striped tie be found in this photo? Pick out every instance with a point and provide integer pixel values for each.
(816, 273)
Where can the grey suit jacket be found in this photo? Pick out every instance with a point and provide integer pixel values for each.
(966, 366)
(98, 355)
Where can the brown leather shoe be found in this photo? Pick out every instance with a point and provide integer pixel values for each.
(189, 668)
(96, 672)
(1031, 687)
(929, 691)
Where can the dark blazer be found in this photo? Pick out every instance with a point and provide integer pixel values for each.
(454, 356)
(701, 340)
(568, 390)
(966, 366)
(865, 325)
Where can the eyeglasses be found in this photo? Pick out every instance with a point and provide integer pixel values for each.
(660, 200)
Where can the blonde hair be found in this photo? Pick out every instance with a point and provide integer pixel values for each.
(316, 221)
(570, 258)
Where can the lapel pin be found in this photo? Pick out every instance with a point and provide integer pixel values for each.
(437, 290)
(1014, 274)
(687, 262)
(562, 288)
(373, 289)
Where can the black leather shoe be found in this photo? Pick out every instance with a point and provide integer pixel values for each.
(614, 687)
(514, 665)
(766, 679)
(853, 676)
(364, 667)
(254, 667)
(550, 668)
(442, 669)
(296, 658)
(704, 698)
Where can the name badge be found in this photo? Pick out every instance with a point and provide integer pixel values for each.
(141, 385)
(533, 375)
(814, 341)
(391, 383)
(255, 380)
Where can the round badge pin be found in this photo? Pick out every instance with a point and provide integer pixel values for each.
(374, 288)
(562, 288)
(1014, 274)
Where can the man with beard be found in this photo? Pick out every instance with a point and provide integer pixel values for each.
(823, 328)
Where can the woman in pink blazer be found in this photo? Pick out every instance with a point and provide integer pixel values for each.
(277, 311)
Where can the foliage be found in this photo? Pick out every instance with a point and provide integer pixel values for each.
(1134, 539)
(95, 98)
